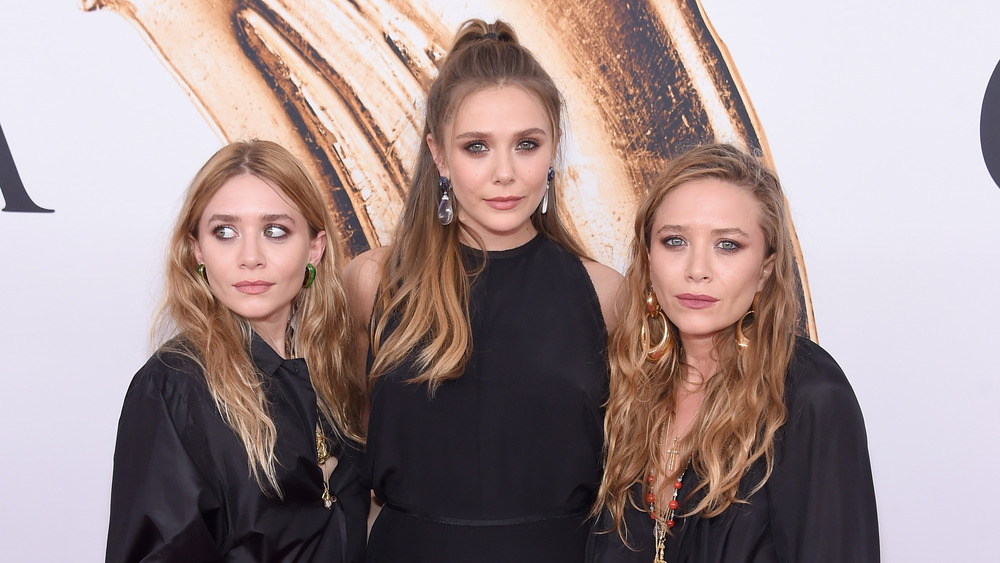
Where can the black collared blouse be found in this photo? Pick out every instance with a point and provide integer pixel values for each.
(182, 489)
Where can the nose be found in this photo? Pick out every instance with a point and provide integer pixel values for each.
(250, 252)
(699, 265)
(503, 173)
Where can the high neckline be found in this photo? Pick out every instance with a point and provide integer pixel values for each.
(503, 254)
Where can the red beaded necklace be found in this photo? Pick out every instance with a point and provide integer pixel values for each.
(665, 520)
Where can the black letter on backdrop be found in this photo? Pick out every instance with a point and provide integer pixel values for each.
(989, 126)
(10, 183)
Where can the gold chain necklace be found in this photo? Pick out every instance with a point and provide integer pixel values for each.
(323, 454)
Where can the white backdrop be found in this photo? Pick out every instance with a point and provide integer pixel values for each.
(872, 113)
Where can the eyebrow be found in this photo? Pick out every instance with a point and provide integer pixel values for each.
(523, 133)
(730, 231)
(266, 217)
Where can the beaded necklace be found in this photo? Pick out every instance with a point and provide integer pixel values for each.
(663, 521)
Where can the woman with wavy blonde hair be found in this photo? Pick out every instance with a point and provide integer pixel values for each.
(487, 329)
(238, 438)
(728, 437)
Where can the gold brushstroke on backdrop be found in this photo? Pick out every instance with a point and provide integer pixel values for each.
(340, 84)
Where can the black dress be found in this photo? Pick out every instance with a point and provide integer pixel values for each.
(503, 463)
(182, 490)
(818, 504)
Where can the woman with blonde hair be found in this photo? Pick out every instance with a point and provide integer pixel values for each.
(487, 329)
(238, 438)
(728, 437)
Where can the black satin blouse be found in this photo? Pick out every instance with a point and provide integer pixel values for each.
(818, 505)
(182, 489)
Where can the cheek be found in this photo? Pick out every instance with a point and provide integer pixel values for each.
(659, 273)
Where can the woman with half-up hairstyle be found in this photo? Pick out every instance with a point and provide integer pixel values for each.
(239, 438)
(486, 328)
(728, 437)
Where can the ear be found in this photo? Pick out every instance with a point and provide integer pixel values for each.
(765, 271)
(317, 247)
(196, 248)
(437, 153)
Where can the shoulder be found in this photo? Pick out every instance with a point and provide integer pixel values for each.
(816, 385)
(168, 375)
(361, 280)
(607, 282)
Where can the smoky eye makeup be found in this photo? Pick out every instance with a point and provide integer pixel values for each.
(277, 232)
(224, 232)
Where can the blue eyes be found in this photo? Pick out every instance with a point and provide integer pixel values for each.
(227, 232)
(724, 245)
(479, 147)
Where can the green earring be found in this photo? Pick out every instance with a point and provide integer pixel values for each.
(310, 275)
(202, 273)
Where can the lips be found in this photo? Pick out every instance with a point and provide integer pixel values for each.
(696, 301)
(504, 203)
(254, 287)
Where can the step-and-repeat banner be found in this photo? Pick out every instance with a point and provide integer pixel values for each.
(882, 120)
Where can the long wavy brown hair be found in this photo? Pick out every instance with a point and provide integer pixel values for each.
(742, 407)
(193, 322)
(421, 313)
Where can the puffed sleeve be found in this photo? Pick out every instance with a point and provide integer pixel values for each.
(821, 492)
(162, 504)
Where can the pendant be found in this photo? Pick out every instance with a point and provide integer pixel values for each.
(660, 534)
(445, 212)
(327, 499)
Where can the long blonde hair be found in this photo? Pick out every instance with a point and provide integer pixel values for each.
(423, 301)
(219, 340)
(743, 406)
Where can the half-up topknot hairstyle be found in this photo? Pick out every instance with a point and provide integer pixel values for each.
(425, 284)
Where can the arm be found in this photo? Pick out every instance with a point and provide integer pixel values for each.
(606, 283)
(159, 494)
(821, 490)
(361, 280)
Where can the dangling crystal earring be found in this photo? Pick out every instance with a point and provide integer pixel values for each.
(445, 212)
(548, 182)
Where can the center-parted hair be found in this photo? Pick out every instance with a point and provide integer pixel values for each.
(204, 329)
(421, 313)
(742, 407)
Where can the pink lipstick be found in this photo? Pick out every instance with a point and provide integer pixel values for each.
(254, 287)
(696, 300)
(503, 203)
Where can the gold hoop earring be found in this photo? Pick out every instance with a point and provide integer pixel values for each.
(653, 310)
(741, 339)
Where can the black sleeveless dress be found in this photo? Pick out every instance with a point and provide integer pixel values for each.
(502, 464)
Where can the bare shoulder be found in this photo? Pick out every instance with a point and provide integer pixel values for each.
(361, 279)
(606, 282)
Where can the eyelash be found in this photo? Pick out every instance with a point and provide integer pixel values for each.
(270, 228)
(735, 246)
(218, 232)
(479, 147)
(227, 232)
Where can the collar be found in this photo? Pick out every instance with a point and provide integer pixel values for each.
(264, 357)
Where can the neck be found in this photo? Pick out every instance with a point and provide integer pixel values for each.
(699, 355)
(504, 241)
(273, 336)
